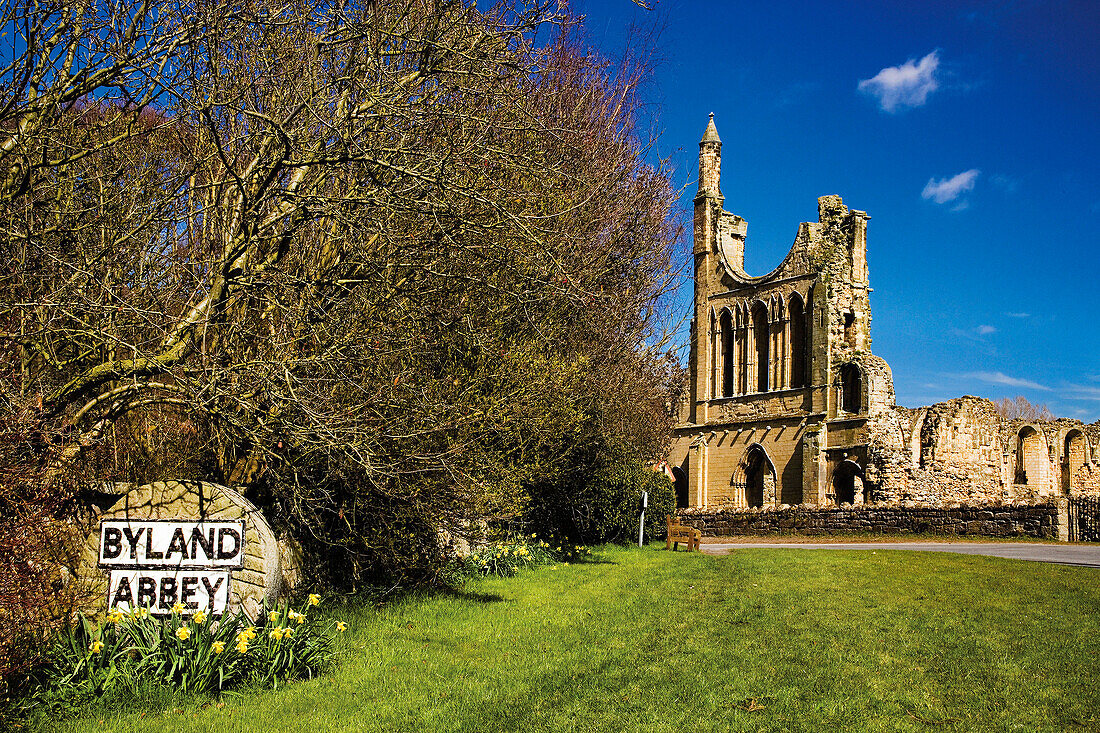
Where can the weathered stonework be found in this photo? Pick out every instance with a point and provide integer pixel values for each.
(787, 404)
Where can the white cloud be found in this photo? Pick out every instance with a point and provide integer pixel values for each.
(984, 330)
(1002, 378)
(908, 85)
(1018, 315)
(1082, 392)
(949, 189)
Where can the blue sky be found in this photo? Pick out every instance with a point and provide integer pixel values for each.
(967, 130)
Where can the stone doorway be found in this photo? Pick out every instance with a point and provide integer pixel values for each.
(848, 483)
(680, 480)
(759, 478)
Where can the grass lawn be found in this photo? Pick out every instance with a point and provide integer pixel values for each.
(762, 640)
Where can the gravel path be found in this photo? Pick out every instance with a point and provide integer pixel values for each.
(1086, 555)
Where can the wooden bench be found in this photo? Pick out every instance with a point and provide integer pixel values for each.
(678, 533)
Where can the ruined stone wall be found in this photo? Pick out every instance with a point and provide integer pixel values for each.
(1086, 481)
(962, 451)
(878, 385)
(1093, 433)
(1021, 520)
(781, 366)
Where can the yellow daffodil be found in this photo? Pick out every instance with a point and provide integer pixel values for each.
(314, 599)
(276, 633)
(183, 633)
(242, 646)
(218, 646)
(199, 617)
(273, 616)
(115, 616)
(341, 626)
(177, 607)
(288, 632)
(96, 647)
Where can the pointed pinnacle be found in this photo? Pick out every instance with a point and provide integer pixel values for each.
(711, 133)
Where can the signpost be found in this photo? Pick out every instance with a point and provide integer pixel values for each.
(197, 544)
(155, 564)
(641, 522)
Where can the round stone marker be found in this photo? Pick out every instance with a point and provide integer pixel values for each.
(179, 539)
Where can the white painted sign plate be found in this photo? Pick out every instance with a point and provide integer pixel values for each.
(170, 544)
(159, 590)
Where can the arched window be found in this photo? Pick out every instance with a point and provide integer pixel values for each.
(741, 356)
(726, 328)
(797, 319)
(851, 389)
(760, 336)
(714, 386)
(1074, 456)
(1031, 459)
(849, 328)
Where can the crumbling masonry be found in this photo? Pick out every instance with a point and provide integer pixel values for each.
(787, 405)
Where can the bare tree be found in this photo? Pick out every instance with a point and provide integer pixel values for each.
(379, 259)
(1022, 409)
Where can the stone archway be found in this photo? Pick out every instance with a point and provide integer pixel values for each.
(759, 478)
(1074, 456)
(680, 482)
(1031, 458)
(848, 483)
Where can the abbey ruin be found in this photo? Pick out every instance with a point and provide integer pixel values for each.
(787, 405)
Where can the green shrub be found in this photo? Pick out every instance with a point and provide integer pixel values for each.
(599, 501)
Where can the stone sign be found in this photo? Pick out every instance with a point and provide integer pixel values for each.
(158, 563)
(195, 543)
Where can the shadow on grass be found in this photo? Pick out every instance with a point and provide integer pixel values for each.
(467, 595)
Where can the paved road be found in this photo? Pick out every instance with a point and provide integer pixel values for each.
(1087, 555)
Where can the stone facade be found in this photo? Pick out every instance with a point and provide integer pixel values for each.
(787, 405)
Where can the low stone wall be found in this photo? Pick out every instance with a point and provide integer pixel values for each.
(1015, 520)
